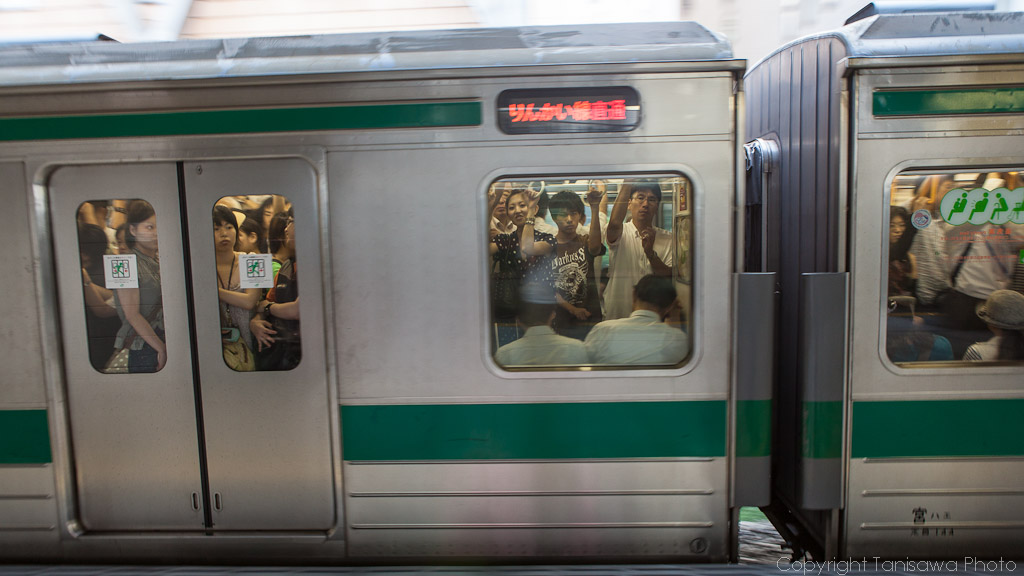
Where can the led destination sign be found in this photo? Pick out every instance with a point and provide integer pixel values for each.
(558, 111)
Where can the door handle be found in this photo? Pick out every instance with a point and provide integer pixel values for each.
(217, 504)
(195, 501)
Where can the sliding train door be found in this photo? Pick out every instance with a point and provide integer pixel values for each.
(268, 440)
(179, 440)
(134, 436)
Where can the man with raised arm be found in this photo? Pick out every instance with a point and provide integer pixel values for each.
(636, 248)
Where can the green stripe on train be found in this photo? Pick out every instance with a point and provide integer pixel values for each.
(206, 122)
(936, 102)
(753, 428)
(822, 430)
(534, 431)
(938, 428)
(24, 437)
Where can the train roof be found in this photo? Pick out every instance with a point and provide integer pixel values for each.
(607, 44)
(931, 36)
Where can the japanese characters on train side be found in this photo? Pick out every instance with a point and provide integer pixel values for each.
(556, 111)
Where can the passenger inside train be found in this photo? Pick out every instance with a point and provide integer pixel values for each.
(236, 303)
(966, 245)
(275, 326)
(121, 243)
(1003, 314)
(637, 246)
(519, 257)
(576, 287)
(140, 343)
(251, 239)
(644, 337)
(102, 321)
(540, 345)
(569, 265)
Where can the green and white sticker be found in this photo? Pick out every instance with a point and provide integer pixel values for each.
(120, 271)
(256, 271)
(980, 206)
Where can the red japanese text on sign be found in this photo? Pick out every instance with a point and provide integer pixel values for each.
(580, 111)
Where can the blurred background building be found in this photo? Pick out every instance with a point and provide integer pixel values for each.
(754, 26)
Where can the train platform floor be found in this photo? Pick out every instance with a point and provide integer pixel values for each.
(806, 569)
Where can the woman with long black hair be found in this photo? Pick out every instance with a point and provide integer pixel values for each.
(142, 329)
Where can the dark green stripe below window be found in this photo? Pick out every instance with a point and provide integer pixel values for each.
(24, 437)
(938, 428)
(753, 428)
(528, 431)
(823, 429)
(243, 121)
(933, 102)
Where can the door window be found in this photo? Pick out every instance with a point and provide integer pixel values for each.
(257, 282)
(120, 259)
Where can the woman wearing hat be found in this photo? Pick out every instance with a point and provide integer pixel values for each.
(1004, 314)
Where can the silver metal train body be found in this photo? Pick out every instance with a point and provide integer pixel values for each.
(395, 433)
(396, 436)
(885, 442)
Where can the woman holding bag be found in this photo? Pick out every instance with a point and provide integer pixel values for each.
(236, 304)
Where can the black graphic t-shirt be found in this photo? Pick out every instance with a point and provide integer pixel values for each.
(576, 282)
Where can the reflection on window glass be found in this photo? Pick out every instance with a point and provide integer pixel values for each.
(956, 267)
(590, 271)
(257, 282)
(120, 258)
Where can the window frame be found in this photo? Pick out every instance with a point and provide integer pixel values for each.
(688, 361)
(925, 169)
(256, 311)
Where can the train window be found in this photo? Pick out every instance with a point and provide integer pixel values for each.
(257, 282)
(119, 255)
(956, 267)
(590, 272)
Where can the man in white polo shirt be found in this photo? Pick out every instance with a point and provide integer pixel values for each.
(643, 338)
(635, 248)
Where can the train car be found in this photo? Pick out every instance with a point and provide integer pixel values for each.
(170, 392)
(895, 427)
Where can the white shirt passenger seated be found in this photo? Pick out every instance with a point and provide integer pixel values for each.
(642, 338)
(540, 346)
